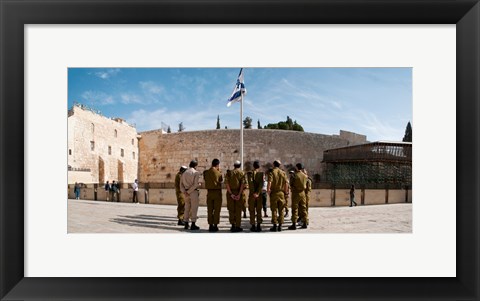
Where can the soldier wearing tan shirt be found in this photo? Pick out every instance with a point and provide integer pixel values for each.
(235, 182)
(299, 203)
(277, 189)
(213, 183)
(189, 188)
(180, 196)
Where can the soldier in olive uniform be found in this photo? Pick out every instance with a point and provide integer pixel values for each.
(255, 184)
(299, 185)
(277, 189)
(213, 183)
(235, 182)
(180, 197)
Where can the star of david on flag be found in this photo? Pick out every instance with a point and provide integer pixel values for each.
(239, 90)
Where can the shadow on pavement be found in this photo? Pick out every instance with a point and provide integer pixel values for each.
(170, 223)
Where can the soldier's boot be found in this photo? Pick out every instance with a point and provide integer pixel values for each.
(181, 223)
(232, 229)
(253, 229)
(304, 226)
(274, 228)
(194, 227)
(215, 228)
(259, 229)
(292, 227)
(279, 229)
(286, 213)
(186, 226)
(238, 229)
(211, 228)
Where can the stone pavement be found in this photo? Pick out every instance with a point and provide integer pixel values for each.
(106, 217)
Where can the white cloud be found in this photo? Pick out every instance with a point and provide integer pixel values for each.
(107, 73)
(97, 98)
(149, 87)
(192, 120)
(130, 98)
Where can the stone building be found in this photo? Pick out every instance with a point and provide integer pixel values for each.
(161, 155)
(100, 148)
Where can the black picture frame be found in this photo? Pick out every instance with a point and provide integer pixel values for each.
(15, 14)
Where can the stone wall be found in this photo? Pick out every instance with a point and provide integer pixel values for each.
(161, 155)
(86, 128)
(318, 197)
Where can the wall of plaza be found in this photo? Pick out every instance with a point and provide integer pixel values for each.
(99, 148)
(318, 197)
(161, 155)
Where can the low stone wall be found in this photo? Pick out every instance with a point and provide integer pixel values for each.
(318, 197)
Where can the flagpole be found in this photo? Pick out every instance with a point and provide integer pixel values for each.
(241, 130)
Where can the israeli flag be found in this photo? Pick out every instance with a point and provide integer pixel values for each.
(238, 90)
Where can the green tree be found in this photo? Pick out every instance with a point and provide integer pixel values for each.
(218, 122)
(247, 123)
(297, 127)
(408, 133)
(288, 125)
(169, 130)
(258, 124)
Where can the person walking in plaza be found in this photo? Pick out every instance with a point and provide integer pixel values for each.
(352, 196)
(113, 187)
(115, 194)
(135, 192)
(277, 189)
(189, 187)
(235, 182)
(255, 184)
(298, 186)
(76, 190)
(107, 190)
(213, 183)
(180, 196)
(264, 196)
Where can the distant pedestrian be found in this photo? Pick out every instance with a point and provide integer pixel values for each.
(189, 187)
(213, 183)
(180, 196)
(107, 190)
(352, 196)
(114, 191)
(135, 191)
(76, 190)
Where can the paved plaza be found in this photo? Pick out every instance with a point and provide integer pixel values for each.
(107, 217)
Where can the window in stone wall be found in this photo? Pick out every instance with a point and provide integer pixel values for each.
(121, 152)
(133, 155)
(115, 133)
(70, 152)
(109, 150)
(92, 145)
(133, 143)
(93, 128)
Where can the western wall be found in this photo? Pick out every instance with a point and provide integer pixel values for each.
(161, 155)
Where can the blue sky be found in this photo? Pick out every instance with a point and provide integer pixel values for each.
(376, 102)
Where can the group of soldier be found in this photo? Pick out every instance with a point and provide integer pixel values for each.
(278, 187)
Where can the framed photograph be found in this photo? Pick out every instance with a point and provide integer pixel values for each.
(40, 260)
